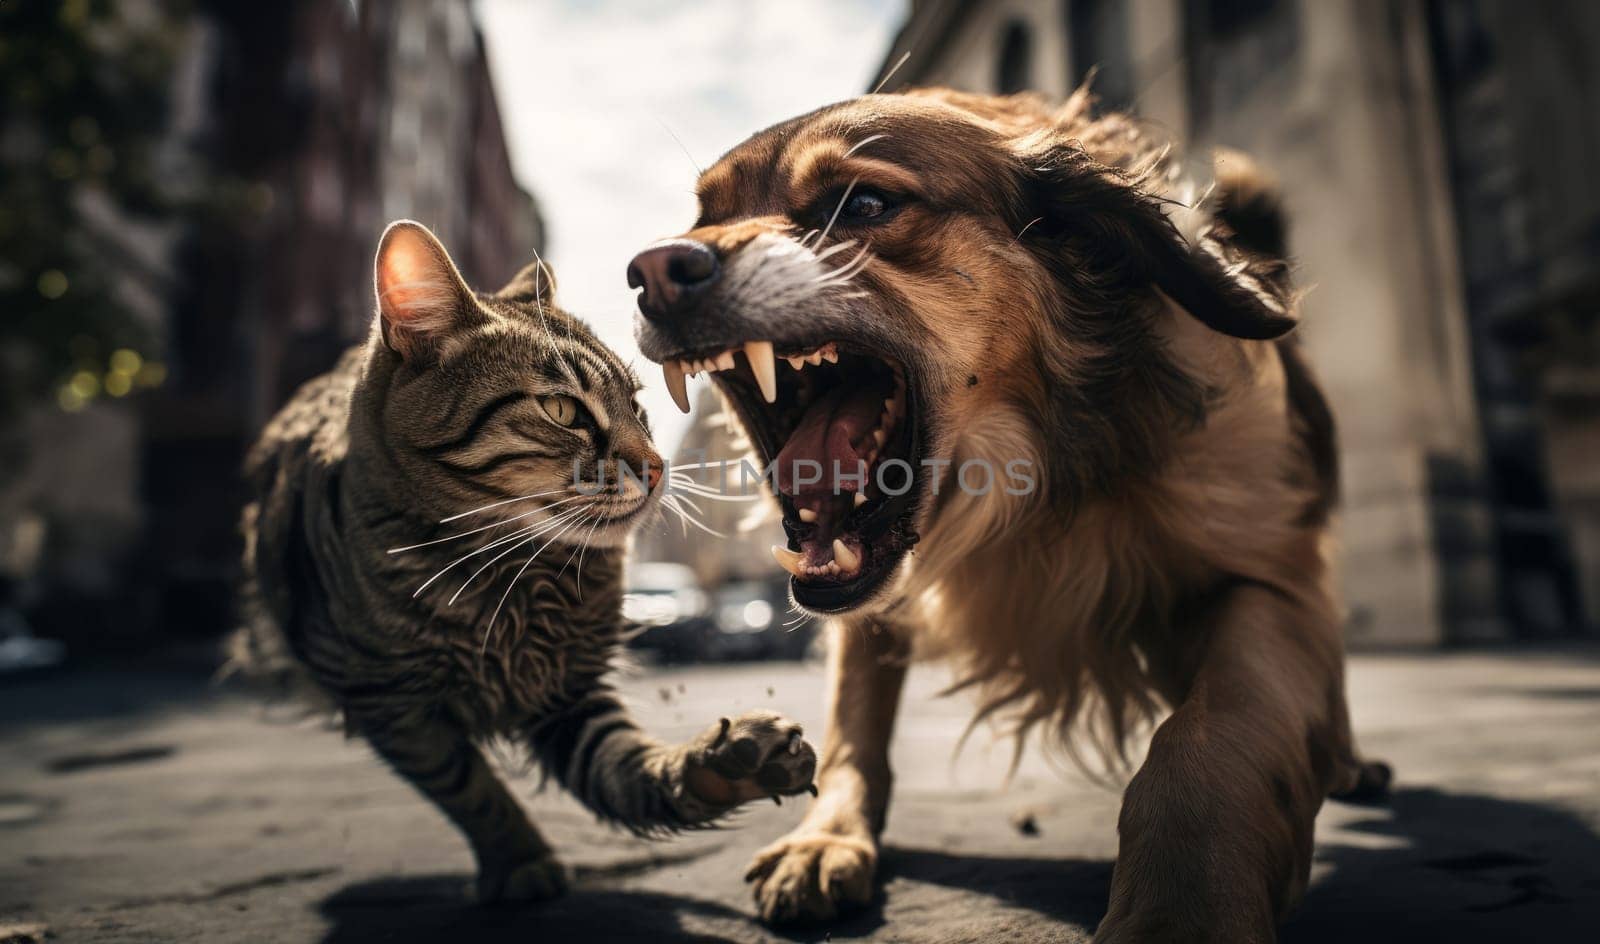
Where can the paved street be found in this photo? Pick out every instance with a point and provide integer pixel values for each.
(145, 806)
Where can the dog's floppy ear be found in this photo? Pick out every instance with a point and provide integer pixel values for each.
(1073, 197)
(534, 285)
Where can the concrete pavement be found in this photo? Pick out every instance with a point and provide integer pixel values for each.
(142, 805)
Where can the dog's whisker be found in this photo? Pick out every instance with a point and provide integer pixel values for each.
(843, 198)
(865, 141)
(833, 250)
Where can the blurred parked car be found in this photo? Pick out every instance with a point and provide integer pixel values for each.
(742, 619)
(751, 618)
(666, 600)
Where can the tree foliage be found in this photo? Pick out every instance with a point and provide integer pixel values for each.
(85, 86)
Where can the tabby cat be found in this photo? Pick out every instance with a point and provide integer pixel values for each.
(429, 542)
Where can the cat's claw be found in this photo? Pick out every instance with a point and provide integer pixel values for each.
(758, 754)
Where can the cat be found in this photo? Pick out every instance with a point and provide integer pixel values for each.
(428, 544)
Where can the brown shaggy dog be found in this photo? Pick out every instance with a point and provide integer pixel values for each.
(972, 289)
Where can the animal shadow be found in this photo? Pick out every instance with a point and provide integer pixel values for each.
(433, 908)
(1460, 867)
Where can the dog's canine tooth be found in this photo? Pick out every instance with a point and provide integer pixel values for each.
(788, 560)
(672, 372)
(807, 515)
(847, 559)
(761, 363)
(880, 436)
(725, 360)
(860, 499)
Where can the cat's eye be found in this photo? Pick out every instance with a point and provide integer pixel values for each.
(564, 410)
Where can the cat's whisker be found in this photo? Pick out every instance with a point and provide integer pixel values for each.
(569, 514)
(582, 549)
(708, 464)
(670, 503)
(488, 527)
(495, 616)
(492, 505)
(691, 503)
(532, 530)
(514, 537)
(711, 494)
(687, 518)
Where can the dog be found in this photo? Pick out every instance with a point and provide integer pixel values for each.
(942, 289)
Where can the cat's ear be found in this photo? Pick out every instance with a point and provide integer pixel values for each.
(534, 285)
(421, 296)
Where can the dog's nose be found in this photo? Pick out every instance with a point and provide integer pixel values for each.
(672, 273)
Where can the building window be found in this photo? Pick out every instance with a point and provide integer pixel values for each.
(1098, 33)
(1016, 58)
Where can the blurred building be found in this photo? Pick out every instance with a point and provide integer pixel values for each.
(1439, 160)
(296, 130)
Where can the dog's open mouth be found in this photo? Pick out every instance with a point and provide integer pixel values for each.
(837, 426)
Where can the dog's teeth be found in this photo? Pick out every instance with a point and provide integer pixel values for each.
(880, 436)
(889, 405)
(861, 499)
(673, 372)
(844, 557)
(830, 353)
(760, 355)
(797, 363)
(788, 560)
(814, 358)
(725, 360)
(808, 515)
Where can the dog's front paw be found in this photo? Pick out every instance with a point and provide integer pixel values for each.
(535, 880)
(758, 754)
(813, 875)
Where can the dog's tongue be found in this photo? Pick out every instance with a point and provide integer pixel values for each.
(831, 431)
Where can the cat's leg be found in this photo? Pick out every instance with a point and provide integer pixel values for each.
(626, 776)
(441, 761)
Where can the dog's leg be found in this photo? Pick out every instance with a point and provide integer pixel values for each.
(828, 861)
(1216, 827)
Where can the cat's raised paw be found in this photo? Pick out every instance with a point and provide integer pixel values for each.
(758, 754)
(536, 880)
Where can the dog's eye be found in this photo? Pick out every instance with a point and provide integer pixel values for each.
(865, 205)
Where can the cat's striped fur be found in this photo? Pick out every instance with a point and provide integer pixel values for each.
(497, 405)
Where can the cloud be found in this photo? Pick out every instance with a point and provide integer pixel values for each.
(593, 94)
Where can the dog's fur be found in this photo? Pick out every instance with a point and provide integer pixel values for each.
(1176, 556)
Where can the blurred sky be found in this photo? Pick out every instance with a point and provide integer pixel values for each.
(589, 90)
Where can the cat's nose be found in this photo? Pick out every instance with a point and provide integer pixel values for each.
(672, 273)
